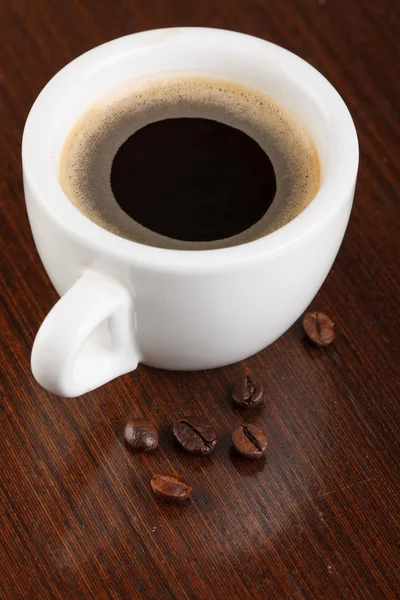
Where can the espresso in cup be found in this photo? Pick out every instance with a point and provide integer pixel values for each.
(189, 163)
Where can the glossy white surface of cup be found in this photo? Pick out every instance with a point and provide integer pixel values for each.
(124, 302)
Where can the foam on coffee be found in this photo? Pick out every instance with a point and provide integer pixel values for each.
(88, 153)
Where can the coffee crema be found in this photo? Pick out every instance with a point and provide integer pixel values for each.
(190, 163)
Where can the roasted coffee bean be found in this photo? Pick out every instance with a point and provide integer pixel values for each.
(196, 435)
(140, 435)
(318, 328)
(248, 391)
(250, 441)
(170, 488)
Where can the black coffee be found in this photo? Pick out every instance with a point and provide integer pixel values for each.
(190, 163)
(193, 179)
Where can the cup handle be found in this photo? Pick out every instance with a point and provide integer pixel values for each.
(65, 360)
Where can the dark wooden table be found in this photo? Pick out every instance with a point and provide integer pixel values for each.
(319, 518)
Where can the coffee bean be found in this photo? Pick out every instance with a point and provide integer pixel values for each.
(248, 391)
(318, 328)
(196, 435)
(140, 435)
(250, 441)
(170, 488)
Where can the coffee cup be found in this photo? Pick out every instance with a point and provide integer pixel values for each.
(124, 302)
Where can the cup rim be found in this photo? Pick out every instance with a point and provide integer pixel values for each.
(335, 190)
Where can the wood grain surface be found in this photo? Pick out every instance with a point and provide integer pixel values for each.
(319, 518)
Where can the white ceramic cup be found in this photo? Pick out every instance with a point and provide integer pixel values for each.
(123, 302)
